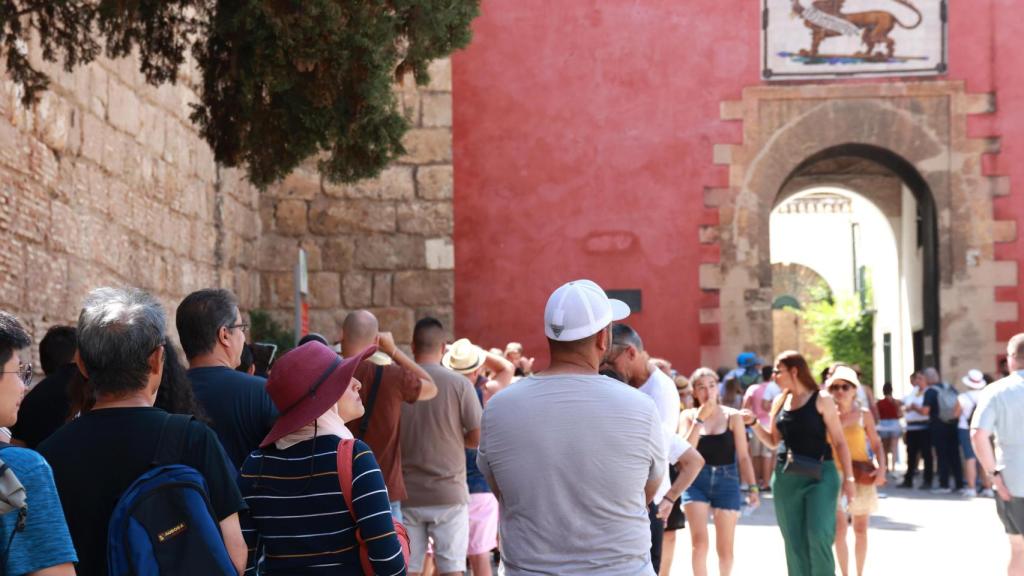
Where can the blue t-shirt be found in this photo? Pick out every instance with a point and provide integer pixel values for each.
(45, 541)
(238, 405)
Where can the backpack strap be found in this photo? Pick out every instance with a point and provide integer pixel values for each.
(171, 444)
(345, 448)
(364, 424)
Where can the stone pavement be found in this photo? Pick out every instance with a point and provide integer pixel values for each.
(913, 532)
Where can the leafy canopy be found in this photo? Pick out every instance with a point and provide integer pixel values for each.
(282, 80)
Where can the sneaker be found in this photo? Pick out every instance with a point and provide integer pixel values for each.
(924, 487)
(906, 484)
(941, 490)
(988, 493)
(969, 492)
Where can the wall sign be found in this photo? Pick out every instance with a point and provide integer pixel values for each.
(841, 38)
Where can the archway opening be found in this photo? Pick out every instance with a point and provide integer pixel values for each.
(862, 221)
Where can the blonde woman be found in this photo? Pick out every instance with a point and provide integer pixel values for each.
(721, 438)
(858, 430)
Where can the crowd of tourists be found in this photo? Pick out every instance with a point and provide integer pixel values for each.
(357, 458)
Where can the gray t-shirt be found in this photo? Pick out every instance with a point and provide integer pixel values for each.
(570, 455)
(1000, 411)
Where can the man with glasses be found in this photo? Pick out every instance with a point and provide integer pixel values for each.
(999, 414)
(42, 544)
(212, 334)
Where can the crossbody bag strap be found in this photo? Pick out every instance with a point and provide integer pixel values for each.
(171, 445)
(371, 399)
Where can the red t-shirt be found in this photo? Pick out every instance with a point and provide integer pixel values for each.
(887, 409)
(397, 385)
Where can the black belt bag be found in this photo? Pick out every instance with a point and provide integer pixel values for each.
(803, 466)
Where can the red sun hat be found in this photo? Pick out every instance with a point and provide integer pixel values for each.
(305, 382)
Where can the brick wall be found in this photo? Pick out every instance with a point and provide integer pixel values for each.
(383, 244)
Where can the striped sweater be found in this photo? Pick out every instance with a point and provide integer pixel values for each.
(297, 522)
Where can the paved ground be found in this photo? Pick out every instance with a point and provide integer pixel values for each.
(912, 533)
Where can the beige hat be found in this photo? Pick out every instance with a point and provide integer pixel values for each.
(843, 373)
(975, 379)
(463, 357)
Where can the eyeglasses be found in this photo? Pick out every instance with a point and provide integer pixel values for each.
(24, 372)
(843, 387)
(241, 326)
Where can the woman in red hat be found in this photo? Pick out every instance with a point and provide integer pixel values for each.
(297, 520)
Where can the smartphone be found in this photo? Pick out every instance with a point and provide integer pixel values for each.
(263, 357)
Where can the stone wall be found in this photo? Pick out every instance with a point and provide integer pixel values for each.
(383, 244)
(106, 182)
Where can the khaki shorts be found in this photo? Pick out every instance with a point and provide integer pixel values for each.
(447, 526)
(758, 449)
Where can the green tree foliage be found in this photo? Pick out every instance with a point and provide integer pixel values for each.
(282, 80)
(844, 331)
(264, 328)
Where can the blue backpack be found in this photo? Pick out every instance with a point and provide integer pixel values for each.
(163, 524)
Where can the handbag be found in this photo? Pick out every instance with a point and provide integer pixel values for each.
(864, 472)
(345, 480)
(802, 466)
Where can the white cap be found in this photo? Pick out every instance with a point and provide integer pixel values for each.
(580, 309)
(843, 373)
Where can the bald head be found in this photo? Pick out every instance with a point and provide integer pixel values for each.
(358, 330)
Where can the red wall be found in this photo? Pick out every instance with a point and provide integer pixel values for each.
(583, 134)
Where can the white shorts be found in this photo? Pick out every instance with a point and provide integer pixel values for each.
(447, 526)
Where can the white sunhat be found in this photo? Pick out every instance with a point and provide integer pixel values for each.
(580, 309)
(975, 379)
(843, 373)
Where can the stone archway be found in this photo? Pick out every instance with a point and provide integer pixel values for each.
(923, 126)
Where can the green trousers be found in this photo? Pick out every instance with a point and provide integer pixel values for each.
(806, 512)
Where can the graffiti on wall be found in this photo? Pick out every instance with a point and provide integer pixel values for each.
(839, 38)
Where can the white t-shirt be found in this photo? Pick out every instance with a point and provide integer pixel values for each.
(914, 398)
(968, 400)
(663, 391)
(571, 455)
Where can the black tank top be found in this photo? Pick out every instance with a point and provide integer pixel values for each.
(803, 431)
(718, 449)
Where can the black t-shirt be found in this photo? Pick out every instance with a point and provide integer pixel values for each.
(45, 408)
(931, 400)
(238, 405)
(96, 457)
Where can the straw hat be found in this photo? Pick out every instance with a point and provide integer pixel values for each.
(463, 357)
(306, 382)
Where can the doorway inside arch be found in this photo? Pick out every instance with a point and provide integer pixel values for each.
(854, 274)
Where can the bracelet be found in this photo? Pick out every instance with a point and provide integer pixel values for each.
(698, 420)
(851, 479)
(672, 500)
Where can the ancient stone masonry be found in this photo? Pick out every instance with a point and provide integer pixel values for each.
(383, 244)
(924, 123)
(107, 182)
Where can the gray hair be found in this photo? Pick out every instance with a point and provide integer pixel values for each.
(118, 330)
(931, 375)
(624, 335)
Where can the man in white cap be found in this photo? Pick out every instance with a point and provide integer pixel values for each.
(573, 457)
(999, 413)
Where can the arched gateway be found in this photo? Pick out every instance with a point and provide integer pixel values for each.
(871, 138)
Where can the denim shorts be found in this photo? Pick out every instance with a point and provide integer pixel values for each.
(965, 443)
(718, 486)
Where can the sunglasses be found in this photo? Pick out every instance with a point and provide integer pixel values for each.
(843, 387)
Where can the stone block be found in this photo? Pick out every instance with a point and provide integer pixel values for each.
(277, 253)
(277, 289)
(445, 314)
(53, 121)
(398, 321)
(722, 154)
(424, 288)
(325, 290)
(440, 75)
(1000, 185)
(710, 276)
(440, 254)
(338, 254)
(300, 184)
(708, 234)
(731, 110)
(435, 182)
(437, 109)
(1004, 230)
(92, 137)
(290, 217)
(428, 146)
(394, 183)
(390, 252)
(123, 110)
(357, 289)
(99, 90)
(426, 218)
(332, 217)
(411, 107)
(382, 289)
